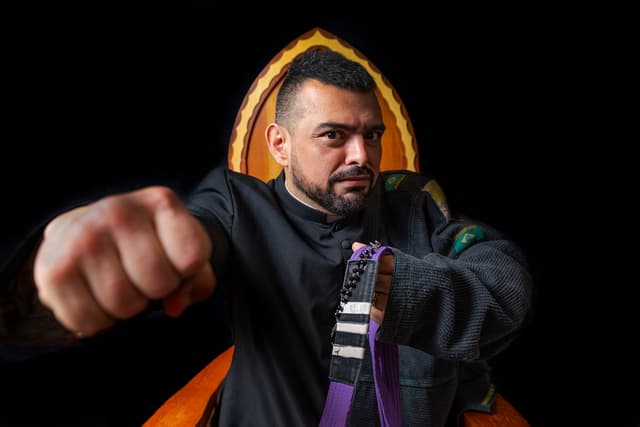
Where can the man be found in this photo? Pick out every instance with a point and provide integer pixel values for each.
(451, 294)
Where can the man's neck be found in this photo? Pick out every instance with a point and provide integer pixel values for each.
(330, 217)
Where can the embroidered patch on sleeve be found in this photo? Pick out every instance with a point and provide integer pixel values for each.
(436, 193)
(466, 237)
(393, 181)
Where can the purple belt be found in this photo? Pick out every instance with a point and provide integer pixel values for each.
(354, 330)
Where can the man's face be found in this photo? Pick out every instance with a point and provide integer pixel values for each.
(335, 147)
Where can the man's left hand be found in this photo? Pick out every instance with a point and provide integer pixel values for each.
(383, 285)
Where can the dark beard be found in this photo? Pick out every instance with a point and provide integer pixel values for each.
(329, 200)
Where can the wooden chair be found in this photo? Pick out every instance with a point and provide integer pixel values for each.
(248, 153)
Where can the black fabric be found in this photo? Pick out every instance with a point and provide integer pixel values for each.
(282, 280)
(282, 274)
(280, 265)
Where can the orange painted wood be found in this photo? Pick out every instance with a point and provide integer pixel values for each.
(187, 405)
(503, 415)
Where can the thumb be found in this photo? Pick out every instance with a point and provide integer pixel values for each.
(357, 245)
(194, 289)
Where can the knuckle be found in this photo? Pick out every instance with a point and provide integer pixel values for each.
(193, 256)
(50, 275)
(111, 211)
(163, 198)
(160, 285)
(119, 300)
(89, 244)
(190, 249)
(199, 247)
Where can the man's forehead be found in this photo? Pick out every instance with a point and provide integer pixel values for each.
(334, 104)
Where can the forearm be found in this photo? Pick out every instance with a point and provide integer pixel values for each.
(24, 321)
(465, 308)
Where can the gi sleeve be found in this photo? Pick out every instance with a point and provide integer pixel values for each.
(467, 299)
(212, 204)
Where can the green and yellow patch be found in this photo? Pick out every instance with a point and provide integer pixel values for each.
(466, 237)
(393, 181)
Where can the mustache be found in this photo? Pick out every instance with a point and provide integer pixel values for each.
(352, 171)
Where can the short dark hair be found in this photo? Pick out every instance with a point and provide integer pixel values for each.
(326, 66)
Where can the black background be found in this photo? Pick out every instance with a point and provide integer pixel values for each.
(519, 116)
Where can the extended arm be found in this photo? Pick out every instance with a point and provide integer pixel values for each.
(104, 262)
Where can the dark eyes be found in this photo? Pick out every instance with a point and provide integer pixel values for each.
(332, 134)
(373, 136)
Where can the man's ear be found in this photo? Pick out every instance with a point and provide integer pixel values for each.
(278, 143)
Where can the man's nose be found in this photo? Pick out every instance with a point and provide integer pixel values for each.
(356, 151)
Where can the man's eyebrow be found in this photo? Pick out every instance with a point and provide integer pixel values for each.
(337, 125)
(378, 128)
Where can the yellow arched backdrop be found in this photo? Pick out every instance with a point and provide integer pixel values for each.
(248, 152)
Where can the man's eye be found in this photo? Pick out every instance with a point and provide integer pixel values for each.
(373, 136)
(332, 134)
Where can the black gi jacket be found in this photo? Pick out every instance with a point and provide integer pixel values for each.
(460, 293)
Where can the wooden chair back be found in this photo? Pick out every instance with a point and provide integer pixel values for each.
(248, 153)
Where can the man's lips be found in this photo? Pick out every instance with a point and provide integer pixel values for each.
(357, 180)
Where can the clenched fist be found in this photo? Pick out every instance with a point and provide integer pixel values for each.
(107, 260)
